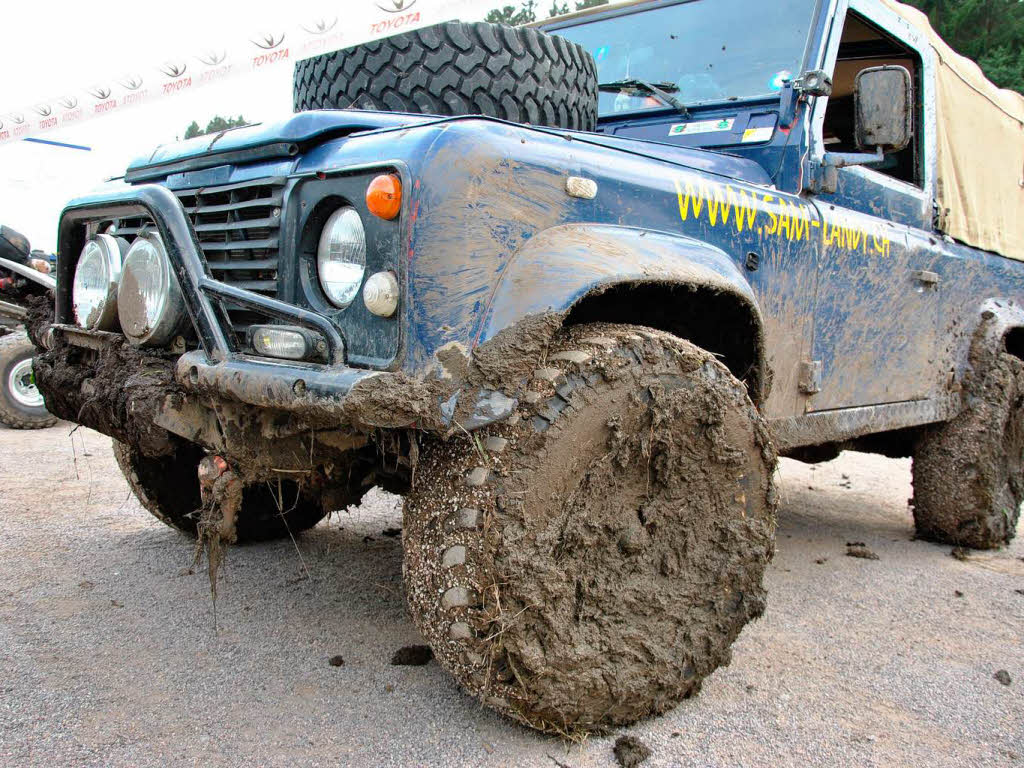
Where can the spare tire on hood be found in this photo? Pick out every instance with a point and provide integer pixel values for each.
(513, 73)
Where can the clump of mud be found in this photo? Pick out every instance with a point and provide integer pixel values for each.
(221, 491)
(412, 656)
(117, 393)
(860, 549)
(630, 751)
(1003, 677)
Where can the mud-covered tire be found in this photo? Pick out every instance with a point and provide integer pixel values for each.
(512, 73)
(969, 472)
(168, 488)
(19, 408)
(591, 560)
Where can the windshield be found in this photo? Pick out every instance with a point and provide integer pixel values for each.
(699, 51)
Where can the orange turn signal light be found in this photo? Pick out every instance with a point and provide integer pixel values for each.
(384, 196)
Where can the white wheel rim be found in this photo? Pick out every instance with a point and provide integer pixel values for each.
(22, 387)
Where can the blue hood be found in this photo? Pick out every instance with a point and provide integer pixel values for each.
(287, 138)
(282, 138)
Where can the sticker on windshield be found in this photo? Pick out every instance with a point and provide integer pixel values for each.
(758, 134)
(601, 54)
(779, 79)
(702, 126)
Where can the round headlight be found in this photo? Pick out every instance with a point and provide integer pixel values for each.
(341, 256)
(94, 290)
(149, 301)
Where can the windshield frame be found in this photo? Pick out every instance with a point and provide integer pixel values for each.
(603, 13)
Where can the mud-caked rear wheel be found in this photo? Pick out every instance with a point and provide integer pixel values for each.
(590, 561)
(168, 488)
(969, 472)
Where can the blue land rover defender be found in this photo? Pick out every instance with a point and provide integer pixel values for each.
(570, 289)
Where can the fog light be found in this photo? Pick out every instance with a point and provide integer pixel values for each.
(94, 290)
(150, 305)
(287, 342)
(380, 294)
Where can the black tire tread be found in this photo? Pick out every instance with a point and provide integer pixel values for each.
(517, 74)
(168, 488)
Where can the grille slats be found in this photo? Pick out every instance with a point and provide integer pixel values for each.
(237, 226)
(222, 266)
(190, 210)
(237, 245)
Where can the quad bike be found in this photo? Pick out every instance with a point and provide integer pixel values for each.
(23, 279)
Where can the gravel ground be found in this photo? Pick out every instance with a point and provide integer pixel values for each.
(109, 652)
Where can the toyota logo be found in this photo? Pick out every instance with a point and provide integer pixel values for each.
(213, 58)
(131, 82)
(321, 26)
(268, 41)
(173, 69)
(397, 6)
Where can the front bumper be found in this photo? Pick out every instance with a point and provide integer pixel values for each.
(218, 366)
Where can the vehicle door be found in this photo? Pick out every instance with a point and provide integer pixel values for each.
(876, 311)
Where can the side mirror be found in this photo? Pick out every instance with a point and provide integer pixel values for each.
(884, 108)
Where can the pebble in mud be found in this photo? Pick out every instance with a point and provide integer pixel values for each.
(1003, 677)
(630, 751)
(336, 661)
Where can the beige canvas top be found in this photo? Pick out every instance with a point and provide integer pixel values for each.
(980, 145)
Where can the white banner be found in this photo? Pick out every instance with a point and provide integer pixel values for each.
(361, 22)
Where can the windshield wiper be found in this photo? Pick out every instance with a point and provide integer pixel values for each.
(660, 91)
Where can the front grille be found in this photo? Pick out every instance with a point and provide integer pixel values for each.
(238, 226)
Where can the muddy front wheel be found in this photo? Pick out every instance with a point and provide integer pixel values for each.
(168, 488)
(591, 561)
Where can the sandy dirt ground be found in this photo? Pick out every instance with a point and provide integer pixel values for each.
(109, 654)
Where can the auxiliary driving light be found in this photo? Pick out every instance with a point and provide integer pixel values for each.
(149, 301)
(94, 290)
(287, 342)
(341, 256)
(380, 294)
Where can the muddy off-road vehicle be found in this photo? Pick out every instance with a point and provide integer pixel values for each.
(24, 282)
(570, 289)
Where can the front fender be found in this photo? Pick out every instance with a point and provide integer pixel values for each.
(557, 267)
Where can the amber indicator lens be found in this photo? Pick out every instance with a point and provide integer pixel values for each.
(384, 196)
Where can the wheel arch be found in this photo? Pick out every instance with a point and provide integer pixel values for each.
(605, 273)
(1000, 329)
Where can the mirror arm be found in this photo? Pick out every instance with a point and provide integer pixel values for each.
(843, 159)
(823, 177)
